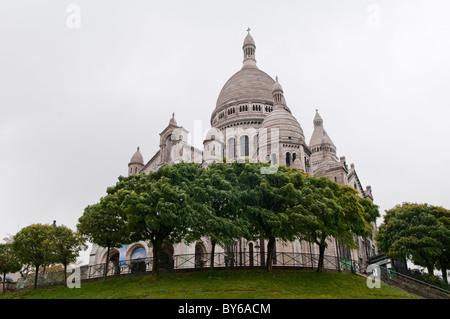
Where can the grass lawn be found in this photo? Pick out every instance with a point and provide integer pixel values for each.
(223, 284)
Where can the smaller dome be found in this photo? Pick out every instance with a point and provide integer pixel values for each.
(277, 86)
(249, 39)
(172, 121)
(288, 126)
(137, 158)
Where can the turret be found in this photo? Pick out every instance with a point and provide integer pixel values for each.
(249, 49)
(136, 163)
(321, 145)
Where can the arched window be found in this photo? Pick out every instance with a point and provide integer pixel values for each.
(138, 253)
(288, 159)
(268, 158)
(294, 156)
(244, 146)
(231, 148)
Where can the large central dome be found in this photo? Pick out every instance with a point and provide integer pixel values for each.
(246, 98)
(249, 84)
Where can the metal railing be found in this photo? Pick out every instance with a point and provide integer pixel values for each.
(194, 262)
(413, 285)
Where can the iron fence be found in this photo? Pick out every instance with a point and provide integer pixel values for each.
(192, 262)
(392, 276)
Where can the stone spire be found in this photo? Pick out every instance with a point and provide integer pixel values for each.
(322, 147)
(249, 49)
(320, 137)
(172, 120)
(317, 119)
(278, 94)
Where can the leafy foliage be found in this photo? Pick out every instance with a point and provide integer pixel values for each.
(31, 247)
(9, 263)
(419, 232)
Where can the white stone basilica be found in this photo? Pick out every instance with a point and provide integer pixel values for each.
(252, 121)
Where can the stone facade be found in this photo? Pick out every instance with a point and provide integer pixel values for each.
(251, 120)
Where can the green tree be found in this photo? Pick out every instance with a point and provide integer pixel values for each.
(64, 246)
(158, 206)
(328, 210)
(8, 261)
(220, 221)
(104, 224)
(266, 200)
(418, 232)
(30, 246)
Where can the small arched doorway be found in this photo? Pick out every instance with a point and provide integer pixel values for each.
(113, 263)
(138, 260)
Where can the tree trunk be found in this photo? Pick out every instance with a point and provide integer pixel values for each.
(213, 250)
(270, 246)
(262, 252)
(65, 273)
(444, 274)
(337, 256)
(156, 251)
(4, 277)
(430, 269)
(320, 266)
(106, 263)
(36, 276)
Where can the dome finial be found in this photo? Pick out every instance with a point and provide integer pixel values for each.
(249, 49)
(317, 119)
(172, 120)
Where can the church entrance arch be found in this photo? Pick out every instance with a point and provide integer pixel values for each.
(113, 262)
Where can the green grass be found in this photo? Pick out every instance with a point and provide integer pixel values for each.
(221, 284)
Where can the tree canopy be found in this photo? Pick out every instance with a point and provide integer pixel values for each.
(9, 263)
(104, 224)
(226, 202)
(64, 246)
(418, 232)
(31, 247)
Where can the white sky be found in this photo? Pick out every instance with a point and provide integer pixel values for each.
(75, 103)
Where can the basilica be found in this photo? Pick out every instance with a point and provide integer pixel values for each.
(251, 121)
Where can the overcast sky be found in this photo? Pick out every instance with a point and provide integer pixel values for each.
(77, 99)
